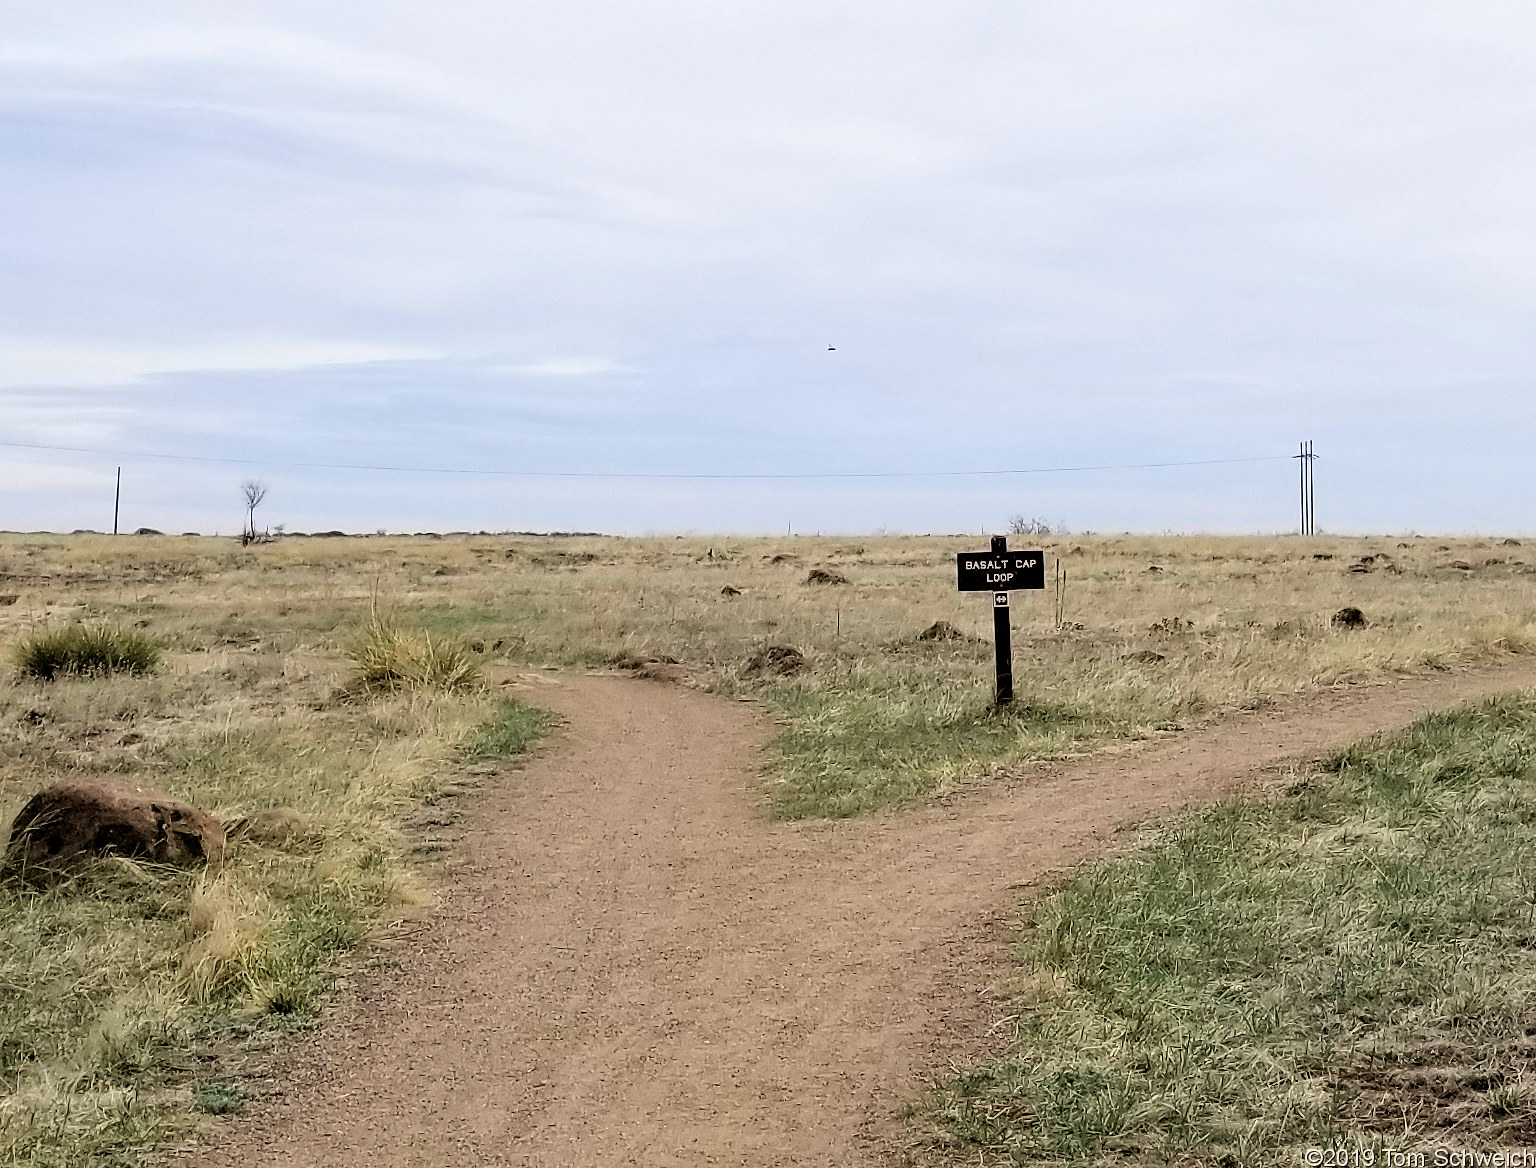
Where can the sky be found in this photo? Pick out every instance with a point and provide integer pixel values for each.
(577, 239)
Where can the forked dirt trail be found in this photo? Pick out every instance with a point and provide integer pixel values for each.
(628, 965)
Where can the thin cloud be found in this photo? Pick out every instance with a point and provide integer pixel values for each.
(27, 362)
(570, 367)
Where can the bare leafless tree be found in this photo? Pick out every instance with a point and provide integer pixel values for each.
(253, 491)
(1025, 525)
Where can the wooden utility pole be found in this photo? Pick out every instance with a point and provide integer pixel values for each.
(117, 499)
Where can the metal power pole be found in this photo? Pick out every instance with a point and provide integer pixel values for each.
(1002, 633)
(1311, 490)
(1304, 460)
(117, 499)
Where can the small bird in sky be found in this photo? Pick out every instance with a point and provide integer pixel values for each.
(831, 348)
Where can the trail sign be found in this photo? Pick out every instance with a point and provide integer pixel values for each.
(999, 571)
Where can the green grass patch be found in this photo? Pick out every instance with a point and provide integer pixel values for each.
(1348, 963)
(85, 650)
(857, 739)
(514, 728)
(216, 1098)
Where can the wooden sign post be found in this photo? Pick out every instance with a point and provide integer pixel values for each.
(999, 572)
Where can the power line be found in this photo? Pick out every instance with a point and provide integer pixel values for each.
(600, 474)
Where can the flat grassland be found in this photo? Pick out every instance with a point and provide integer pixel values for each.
(254, 710)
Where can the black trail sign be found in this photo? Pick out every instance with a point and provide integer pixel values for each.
(999, 571)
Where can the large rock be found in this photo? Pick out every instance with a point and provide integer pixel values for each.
(95, 817)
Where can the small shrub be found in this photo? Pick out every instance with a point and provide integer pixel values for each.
(89, 650)
(390, 658)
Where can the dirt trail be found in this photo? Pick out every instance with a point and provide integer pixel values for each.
(629, 966)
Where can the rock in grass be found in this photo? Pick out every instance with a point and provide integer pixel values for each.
(776, 660)
(86, 818)
(730, 591)
(270, 825)
(1349, 617)
(825, 576)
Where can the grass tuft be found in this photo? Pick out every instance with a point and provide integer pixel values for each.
(391, 658)
(216, 1098)
(85, 650)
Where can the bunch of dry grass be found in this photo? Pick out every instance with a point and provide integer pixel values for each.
(391, 658)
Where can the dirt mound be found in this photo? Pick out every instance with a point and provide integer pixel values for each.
(1509, 543)
(1349, 617)
(629, 659)
(658, 667)
(942, 631)
(825, 576)
(775, 660)
(1145, 657)
(95, 817)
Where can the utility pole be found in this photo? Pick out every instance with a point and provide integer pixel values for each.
(117, 499)
(1305, 459)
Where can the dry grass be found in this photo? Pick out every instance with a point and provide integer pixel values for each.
(249, 715)
(879, 717)
(105, 977)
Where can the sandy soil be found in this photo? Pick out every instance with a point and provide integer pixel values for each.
(628, 965)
